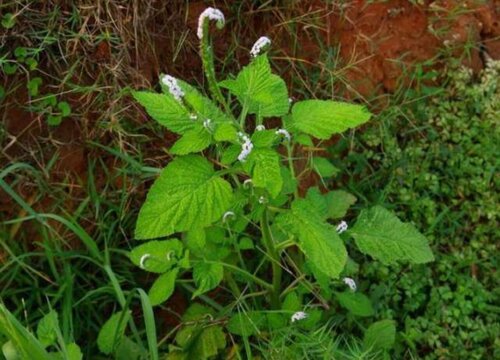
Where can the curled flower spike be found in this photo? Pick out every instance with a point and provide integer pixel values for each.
(299, 315)
(246, 147)
(226, 215)
(143, 259)
(261, 43)
(260, 128)
(207, 124)
(210, 13)
(247, 183)
(173, 87)
(284, 133)
(169, 255)
(350, 282)
(341, 227)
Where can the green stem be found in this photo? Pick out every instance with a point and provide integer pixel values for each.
(275, 260)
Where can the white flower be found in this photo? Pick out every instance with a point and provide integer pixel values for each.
(226, 215)
(211, 14)
(299, 315)
(246, 147)
(260, 128)
(262, 42)
(350, 282)
(285, 133)
(173, 87)
(143, 259)
(341, 227)
(207, 124)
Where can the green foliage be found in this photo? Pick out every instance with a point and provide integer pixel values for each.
(380, 335)
(112, 332)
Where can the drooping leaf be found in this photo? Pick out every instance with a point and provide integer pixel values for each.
(160, 255)
(163, 287)
(46, 330)
(266, 171)
(193, 141)
(323, 118)
(380, 234)
(380, 335)
(166, 110)
(338, 202)
(262, 92)
(246, 323)
(357, 303)
(206, 277)
(112, 332)
(187, 195)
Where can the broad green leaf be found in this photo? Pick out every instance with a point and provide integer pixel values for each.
(266, 171)
(292, 303)
(73, 352)
(380, 335)
(317, 202)
(262, 92)
(194, 140)
(33, 85)
(163, 287)
(166, 110)
(338, 202)
(187, 195)
(230, 154)
(318, 240)
(246, 323)
(357, 303)
(128, 350)
(112, 332)
(157, 256)
(196, 240)
(201, 342)
(264, 138)
(206, 277)
(289, 182)
(46, 330)
(323, 118)
(324, 168)
(226, 132)
(380, 234)
(10, 352)
(54, 120)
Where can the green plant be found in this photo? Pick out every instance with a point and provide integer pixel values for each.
(237, 210)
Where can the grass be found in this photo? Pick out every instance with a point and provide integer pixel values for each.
(64, 233)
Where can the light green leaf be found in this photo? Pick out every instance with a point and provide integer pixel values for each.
(187, 194)
(263, 138)
(159, 256)
(166, 110)
(262, 92)
(323, 118)
(112, 332)
(163, 287)
(73, 352)
(65, 108)
(380, 335)
(380, 234)
(226, 132)
(230, 154)
(324, 168)
(46, 330)
(338, 202)
(246, 323)
(206, 277)
(357, 303)
(10, 352)
(194, 140)
(317, 202)
(266, 171)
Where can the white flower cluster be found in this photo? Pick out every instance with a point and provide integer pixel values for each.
(262, 42)
(299, 315)
(284, 133)
(212, 14)
(350, 282)
(173, 87)
(246, 147)
(341, 227)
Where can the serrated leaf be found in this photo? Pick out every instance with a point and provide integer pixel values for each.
(264, 138)
(226, 132)
(266, 172)
(317, 202)
(380, 335)
(46, 330)
(194, 140)
(230, 154)
(246, 323)
(338, 202)
(163, 287)
(187, 195)
(207, 276)
(292, 303)
(161, 255)
(323, 118)
(324, 168)
(357, 303)
(262, 92)
(166, 110)
(112, 332)
(380, 234)
(318, 240)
